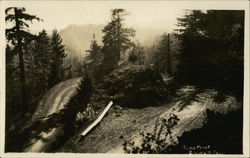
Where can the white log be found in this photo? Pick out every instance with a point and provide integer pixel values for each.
(96, 121)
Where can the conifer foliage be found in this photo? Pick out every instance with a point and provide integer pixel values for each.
(17, 36)
(94, 54)
(57, 56)
(42, 60)
(39, 65)
(213, 49)
(116, 40)
(162, 58)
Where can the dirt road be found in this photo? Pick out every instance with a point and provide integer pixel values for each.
(54, 101)
(192, 115)
(127, 123)
(56, 98)
(189, 105)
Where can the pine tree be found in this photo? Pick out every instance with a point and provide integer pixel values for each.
(17, 35)
(32, 75)
(9, 62)
(57, 56)
(162, 56)
(116, 40)
(94, 58)
(213, 49)
(11, 86)
(168, 51)
(94, 51)
(42, 61)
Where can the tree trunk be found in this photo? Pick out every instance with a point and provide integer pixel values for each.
(21, 66)
(169, 57)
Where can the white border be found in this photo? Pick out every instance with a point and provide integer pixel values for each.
(2, 79)
(242, 5)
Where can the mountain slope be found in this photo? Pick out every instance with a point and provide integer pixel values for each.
(77, 38)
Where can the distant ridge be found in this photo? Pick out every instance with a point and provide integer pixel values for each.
(77, 38)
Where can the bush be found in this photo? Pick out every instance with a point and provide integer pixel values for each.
(220, 134)
(159, 141)
(135, 86)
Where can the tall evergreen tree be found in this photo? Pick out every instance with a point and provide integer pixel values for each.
(94, 51)
(42, 61)
(9, 62)
(162, 56)
(213, 48)
(11, 87)
(116, 40)
(17, 35)
(30, 71)
(168, 51)
(94, 57)
(57, 56)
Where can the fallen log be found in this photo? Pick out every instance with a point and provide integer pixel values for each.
(85, 132)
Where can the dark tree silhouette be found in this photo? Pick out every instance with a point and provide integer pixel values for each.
(43, 59)
(169, 68)
(94, 53)
(116, 40)
(213, 49)
(17, 35)
(162, 57)
(57, 56)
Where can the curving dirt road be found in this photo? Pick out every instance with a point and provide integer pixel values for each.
(54, 101)
(192, 116)
(127, 123)
(190, 106)
(56, 98)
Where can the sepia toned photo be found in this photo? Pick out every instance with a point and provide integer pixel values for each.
(125, 77)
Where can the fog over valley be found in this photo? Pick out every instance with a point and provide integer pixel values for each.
(77, 38)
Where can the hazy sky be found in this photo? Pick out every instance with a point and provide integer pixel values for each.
(153, 14)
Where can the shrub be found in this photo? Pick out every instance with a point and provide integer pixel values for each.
(159, 141)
